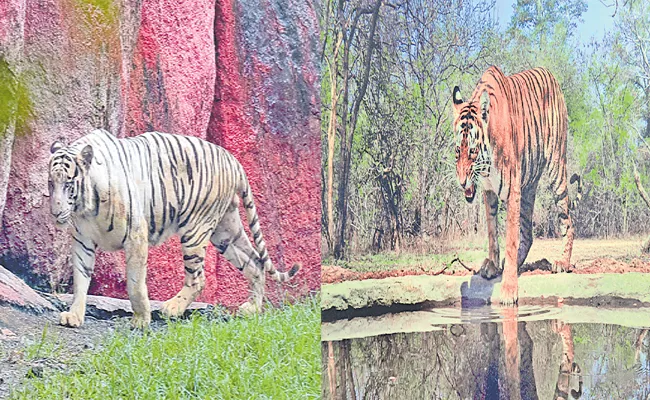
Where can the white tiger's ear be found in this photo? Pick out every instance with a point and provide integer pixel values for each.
(485, 105)
(56, 146)
(86, 155)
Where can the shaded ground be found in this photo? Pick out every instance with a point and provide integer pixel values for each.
(589, 257)
(32, 344)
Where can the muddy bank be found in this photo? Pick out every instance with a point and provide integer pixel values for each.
(617, 290)
(336, 274)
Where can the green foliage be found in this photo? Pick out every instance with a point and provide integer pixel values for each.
(16, 105)
(537, 19)
(275, 355)
(104, 13)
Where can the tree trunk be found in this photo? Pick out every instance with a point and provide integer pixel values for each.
(11, 51)
(348, 132)
(331, 136)
(637, 179)
(6, 145)
(331, 370)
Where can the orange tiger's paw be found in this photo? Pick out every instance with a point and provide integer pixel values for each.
(561, 266)
(509, 296)
(71, 319)
(489, 270)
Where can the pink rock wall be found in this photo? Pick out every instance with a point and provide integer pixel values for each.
(241, 74)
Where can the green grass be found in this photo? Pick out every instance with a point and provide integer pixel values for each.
(469, 252)
(275, 355)
(48, 346)
(425, 262)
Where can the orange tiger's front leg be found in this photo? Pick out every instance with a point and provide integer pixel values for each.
(509, 286)
(491, 266)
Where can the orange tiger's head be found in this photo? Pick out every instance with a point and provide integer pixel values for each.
(473, 153)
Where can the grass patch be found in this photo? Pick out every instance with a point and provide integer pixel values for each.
(469, 251)
(275, 355)
(407, 261)
(48, 346)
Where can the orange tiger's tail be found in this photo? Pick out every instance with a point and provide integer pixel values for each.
(574, 203)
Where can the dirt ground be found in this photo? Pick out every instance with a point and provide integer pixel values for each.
(590, 256)
(24, 352)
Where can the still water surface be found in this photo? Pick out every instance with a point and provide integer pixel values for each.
(489, 353)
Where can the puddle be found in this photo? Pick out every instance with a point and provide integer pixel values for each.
(533, 352)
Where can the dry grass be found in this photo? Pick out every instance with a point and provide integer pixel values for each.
(471, 251)
(587, 250)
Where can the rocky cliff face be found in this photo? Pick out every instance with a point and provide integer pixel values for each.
(241, 74)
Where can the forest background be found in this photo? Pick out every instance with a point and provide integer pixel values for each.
(389, 68)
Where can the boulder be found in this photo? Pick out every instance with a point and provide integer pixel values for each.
(15, 292)
(102, 307)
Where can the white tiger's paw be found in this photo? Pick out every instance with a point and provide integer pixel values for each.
(249, 308)
(71, 319)
(172, 308)
(141, 321)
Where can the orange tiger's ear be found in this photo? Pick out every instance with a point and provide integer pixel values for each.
(485, 105)
(456, 100)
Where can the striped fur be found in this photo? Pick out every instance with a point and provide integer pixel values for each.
(569, 372)
(511, 130)
(135, 192)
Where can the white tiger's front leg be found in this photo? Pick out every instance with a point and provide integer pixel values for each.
(136, 251)
(83, 264)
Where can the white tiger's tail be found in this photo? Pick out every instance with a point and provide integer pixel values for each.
(256, 231)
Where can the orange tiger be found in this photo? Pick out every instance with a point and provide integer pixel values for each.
(511, 130)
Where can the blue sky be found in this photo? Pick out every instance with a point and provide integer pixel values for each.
(597, 20)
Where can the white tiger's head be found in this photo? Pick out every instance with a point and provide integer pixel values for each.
(68, 166)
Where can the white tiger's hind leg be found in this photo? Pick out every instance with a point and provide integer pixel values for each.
(230, 240)
(194, 248)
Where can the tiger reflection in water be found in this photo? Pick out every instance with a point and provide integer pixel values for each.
(520, 382)
(567, 367)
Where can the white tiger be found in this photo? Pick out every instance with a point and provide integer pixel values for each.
(135, 192)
